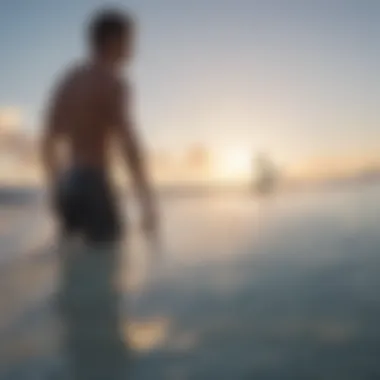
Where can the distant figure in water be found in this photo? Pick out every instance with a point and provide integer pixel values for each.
(266, 175)
(90, 110)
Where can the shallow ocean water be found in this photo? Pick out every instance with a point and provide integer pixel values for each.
(279, 288)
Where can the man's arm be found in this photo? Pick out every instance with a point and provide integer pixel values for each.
(133, 153)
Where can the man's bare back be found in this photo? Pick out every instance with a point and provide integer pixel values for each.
(83, 112)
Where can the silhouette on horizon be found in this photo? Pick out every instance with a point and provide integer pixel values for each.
(265, 175)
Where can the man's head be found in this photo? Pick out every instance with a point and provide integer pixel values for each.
(111, 36)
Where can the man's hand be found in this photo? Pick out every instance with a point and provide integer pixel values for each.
(150, 221)
(150, 226)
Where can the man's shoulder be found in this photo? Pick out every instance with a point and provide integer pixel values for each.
(72, 68)
(119, 86)
(67, 74)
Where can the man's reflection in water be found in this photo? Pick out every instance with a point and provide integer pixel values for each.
(89, 304)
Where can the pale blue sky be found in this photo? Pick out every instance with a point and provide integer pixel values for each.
(296, 77)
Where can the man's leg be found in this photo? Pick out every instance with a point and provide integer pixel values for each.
(90, 307)
(94, 333)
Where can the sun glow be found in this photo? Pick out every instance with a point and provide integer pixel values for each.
(234, 165)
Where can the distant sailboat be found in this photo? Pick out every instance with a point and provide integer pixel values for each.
(265, 175)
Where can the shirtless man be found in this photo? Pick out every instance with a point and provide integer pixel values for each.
(89, 110)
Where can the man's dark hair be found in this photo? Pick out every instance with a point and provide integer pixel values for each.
(109, 24)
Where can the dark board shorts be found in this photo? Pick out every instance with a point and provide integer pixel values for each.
(86, 205)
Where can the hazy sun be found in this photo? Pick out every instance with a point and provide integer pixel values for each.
(234, 165)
